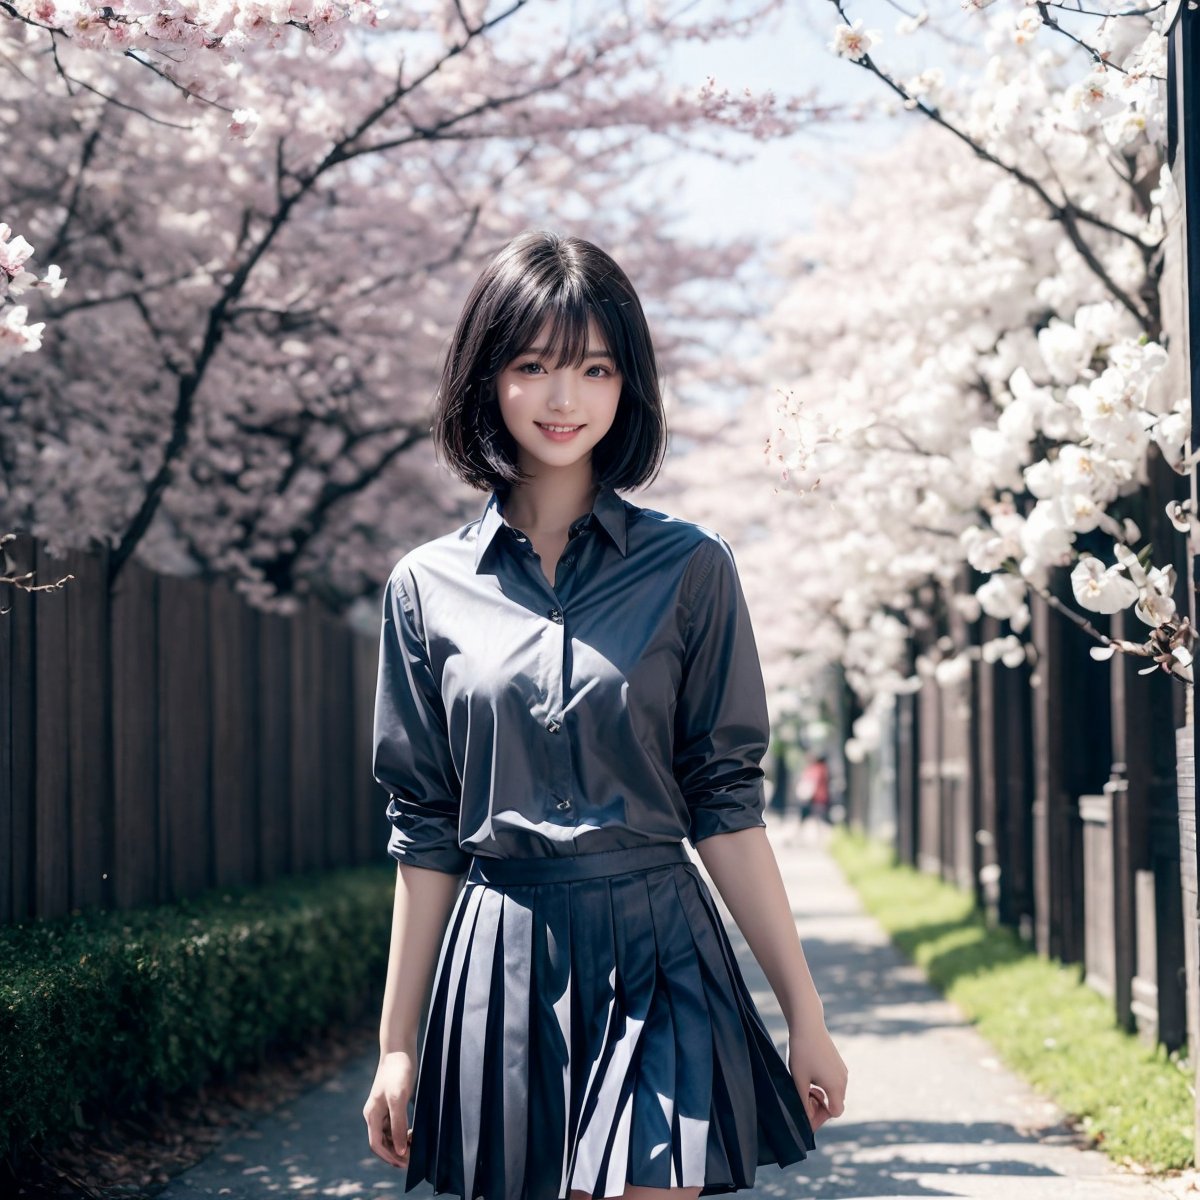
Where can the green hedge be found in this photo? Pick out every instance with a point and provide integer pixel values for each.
(115, 1008)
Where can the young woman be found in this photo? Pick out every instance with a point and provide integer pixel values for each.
(568, 690)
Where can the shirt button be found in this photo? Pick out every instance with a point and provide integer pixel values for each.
(555, 614)
(553, 726)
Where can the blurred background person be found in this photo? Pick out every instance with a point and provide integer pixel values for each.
(812, 791)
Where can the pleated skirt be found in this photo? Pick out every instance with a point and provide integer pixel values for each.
(589, 1028)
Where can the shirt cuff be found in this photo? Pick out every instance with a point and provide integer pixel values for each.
(421, 840)
(727, 812)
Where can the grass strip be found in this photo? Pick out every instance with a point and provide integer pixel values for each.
(1045, 1023)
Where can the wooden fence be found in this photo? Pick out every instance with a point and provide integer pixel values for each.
(1056, 794)
(168, 738)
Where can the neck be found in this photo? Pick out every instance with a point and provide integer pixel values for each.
(550, 503)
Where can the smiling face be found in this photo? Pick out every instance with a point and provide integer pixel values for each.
(537, 398)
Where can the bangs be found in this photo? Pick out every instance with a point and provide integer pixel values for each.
(568, 335)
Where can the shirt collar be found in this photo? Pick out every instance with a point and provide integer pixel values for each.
(608, 508)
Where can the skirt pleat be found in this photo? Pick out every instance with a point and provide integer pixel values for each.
(732, 1103)
(512, 1105)
(436, 1094)
(595, 1034)
(548, 1038)
(477, 1052)
(686, 1058)
(783, 1123)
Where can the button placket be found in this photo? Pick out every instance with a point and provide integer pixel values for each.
(555, 676)
(562, 749)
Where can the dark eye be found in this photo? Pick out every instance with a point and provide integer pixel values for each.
(534, 367)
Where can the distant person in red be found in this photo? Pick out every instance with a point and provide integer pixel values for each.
(814, 788)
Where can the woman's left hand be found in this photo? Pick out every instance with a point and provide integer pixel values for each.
(819, 1072)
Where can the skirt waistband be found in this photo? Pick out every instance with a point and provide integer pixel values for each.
(565, 867)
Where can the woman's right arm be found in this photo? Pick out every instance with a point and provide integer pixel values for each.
(413, 763)
(424, 900)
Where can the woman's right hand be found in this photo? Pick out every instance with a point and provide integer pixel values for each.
(386, 1109)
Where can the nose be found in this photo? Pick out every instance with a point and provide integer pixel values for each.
(563, 394)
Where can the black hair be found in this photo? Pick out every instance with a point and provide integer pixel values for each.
(536, 276)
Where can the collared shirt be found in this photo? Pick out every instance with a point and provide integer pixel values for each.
(621, 706)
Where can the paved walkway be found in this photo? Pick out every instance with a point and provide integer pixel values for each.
(930, 1112)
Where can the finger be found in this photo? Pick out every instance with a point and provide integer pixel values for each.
(400, 1151)
(827, 1106)
(806, 1094)
(378, 1139)
(383, 1149)
(398, 1119)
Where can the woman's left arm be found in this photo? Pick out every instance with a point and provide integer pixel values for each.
(721, 731)
(743, 867)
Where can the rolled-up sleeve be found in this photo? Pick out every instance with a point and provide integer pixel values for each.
(722, 727)
(411, 759)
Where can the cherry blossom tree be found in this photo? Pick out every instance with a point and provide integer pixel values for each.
(968, 365)
(189, 43)
(17, 335)
(269, 237)
(185, 44)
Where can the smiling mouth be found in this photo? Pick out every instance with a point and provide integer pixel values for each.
(558, 428)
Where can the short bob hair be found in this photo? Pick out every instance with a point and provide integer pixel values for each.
(535, 276)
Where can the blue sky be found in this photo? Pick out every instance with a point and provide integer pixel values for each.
(773, 193)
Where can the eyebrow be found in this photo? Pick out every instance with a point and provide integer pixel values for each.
(589, 354)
